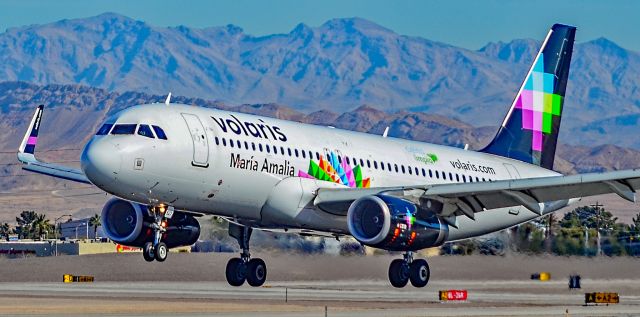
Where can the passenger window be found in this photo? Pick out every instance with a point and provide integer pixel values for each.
(389, 166)
(382, 165)
(231, 143)
(437, 175)
(282, 150)
(348, 161)
(217, 140)
(368, 164)
(159, 132)
(450, 176)
(361, 163)
(464, 179)
(317, 156)
(121, 129)
(267, 147)
(375, 164)
(457, 177)
(246, 145)
(403, 170)
(260, 146)
(304, 154)
(296, 151)
(253, 146)
(239, 144)
(416, 169)
(145, 131)
(424, 173)
(224, 142)
(310, 155)
(104, 129)
(396, 165)
(409, 168)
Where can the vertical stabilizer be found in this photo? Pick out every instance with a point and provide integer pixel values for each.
(28, 145)
(530, 130)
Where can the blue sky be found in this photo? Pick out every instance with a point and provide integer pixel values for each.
(469, 24)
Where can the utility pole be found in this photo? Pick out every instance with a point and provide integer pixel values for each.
(598, 208)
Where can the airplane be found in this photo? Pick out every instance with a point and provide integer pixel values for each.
(166, 164)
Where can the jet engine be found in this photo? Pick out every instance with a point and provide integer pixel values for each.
(129, 224)
(395, 224)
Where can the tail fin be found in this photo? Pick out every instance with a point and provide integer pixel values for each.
(529, 132)
(28, 145)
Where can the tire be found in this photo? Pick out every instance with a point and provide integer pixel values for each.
(256, 272)
(147, 252)
(419, 273)
(398, 273)
(236, 272)
(161, 252)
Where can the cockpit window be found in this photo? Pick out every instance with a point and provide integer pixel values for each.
(104, 130)
(159, 132)
(124, 129)
(144, 130)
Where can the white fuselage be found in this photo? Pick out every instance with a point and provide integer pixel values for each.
(225, 163)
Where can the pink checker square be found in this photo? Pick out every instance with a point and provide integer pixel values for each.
(527, 99)
(527, 119)
(536, 142)
(537, 121)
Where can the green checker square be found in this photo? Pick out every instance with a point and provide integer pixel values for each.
(547, 122)
(556, 105)
(547, 101)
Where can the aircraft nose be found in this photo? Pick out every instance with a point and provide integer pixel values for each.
(100, 161)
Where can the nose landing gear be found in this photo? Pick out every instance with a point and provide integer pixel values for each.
(244, 268)
(157, 250)
(401, 271)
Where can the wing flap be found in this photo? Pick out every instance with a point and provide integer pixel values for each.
(469, 198)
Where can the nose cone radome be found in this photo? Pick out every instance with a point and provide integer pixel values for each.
(100, 162)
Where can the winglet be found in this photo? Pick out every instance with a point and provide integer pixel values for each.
(168, 100)
(28, 146)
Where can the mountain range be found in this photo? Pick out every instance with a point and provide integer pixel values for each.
(337, 67)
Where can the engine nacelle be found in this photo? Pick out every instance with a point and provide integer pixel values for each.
(394, 224)
(129, 224)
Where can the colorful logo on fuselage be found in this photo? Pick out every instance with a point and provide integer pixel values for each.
(336, 171)
(539, 104)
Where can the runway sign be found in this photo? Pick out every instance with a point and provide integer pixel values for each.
(542, 276)
(450, 295)
(68, 278)
(601, 298)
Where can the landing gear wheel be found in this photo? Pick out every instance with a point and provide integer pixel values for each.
(398, 273)
(161, 252)
(236, 272)
(148, 253)
(256, 272)
(419, 273)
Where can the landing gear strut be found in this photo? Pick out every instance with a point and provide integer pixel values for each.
(244, 268)
(157, 250)
(401, 271)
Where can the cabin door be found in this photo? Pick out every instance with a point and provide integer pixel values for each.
(199, 139)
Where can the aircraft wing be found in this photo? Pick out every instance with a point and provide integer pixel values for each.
(470, 198)
(26, 155)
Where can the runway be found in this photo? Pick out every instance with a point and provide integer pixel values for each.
(341, 298)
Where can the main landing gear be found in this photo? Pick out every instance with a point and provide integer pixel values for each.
(401, 271)
(157, 250)
(244, 268)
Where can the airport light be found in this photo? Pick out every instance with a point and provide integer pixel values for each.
(55, 226)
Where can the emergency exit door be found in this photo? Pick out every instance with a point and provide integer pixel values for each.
(199, 139)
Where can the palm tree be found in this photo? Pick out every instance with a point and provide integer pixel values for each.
(95, 221)
(25, 224)
(5, 230)
(41, 225)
